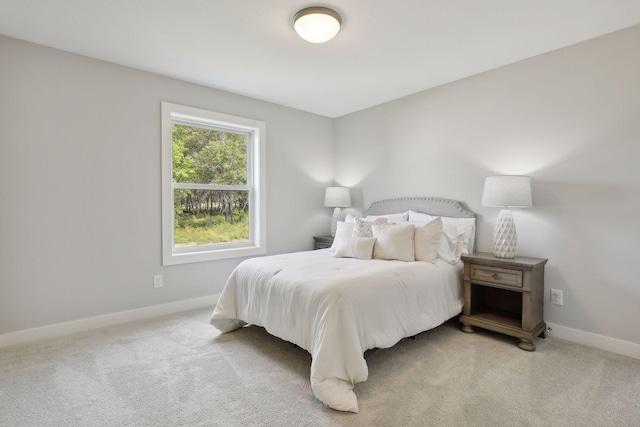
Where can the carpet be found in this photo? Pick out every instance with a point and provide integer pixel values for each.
(177, 370)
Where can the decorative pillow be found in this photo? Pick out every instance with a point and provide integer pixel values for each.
(354, 247)
(363, 228)
(451, 244)
(343, 232)
(427, 239)
(393, 241)
(468, 225)
(397, 217)
(352, 219)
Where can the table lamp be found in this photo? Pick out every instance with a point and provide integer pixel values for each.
(506, 191)
(336, 197)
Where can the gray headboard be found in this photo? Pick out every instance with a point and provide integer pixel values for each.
(429, 205)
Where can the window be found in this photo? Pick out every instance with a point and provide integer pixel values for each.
(213, 186)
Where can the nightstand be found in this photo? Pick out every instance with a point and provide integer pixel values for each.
(323, 242)
(504, 295)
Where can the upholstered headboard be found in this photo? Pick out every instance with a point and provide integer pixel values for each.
(429, 205)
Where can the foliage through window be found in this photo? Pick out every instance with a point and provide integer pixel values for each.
(213, 163)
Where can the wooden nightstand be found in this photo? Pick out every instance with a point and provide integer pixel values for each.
(323, 242)
(504, 295)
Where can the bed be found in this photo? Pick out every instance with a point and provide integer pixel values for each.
(337, 308)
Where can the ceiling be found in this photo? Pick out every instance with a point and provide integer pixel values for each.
(386, 48)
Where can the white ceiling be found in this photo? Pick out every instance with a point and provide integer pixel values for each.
(386, 48)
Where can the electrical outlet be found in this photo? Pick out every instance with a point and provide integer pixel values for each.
(157, 281)
(556, 296)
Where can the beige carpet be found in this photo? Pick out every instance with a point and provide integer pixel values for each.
(177, 371)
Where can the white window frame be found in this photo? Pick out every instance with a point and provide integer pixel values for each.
(256, 185)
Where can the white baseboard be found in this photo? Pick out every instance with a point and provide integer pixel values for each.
(613, 345)
(80, 325)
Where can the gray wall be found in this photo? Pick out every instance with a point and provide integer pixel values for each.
(80, 176)
(571, 120)
(80, 185)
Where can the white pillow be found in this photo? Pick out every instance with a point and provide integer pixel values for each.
(362, 227)
(397, 217)
(467, 225)
(394, 241)
(350, 219)
(427, 239)
(419, 217)
(451, 244)
(344, 231)
(361, 248)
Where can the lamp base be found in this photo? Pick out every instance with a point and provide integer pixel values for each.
(505, 238)
(337, 213)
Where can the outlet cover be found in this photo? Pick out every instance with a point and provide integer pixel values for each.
(556, 296)
(157, 281)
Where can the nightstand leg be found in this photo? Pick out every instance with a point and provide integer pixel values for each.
(527, 345)
(467, 328)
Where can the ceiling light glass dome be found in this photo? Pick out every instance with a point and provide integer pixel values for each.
(317, 24)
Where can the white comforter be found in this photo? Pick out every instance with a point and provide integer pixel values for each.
(337, 308)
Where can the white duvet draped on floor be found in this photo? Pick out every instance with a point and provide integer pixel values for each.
(337, 308)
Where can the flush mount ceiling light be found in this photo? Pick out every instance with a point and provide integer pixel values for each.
(317, 24)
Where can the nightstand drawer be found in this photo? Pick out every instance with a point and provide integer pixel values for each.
(496, 275)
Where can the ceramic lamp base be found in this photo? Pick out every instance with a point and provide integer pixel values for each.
(505, 238)
(337, 213)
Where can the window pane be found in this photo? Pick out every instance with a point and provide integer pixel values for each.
(205, 156)
(204, 217)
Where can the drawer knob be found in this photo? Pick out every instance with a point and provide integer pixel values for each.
(494, 275)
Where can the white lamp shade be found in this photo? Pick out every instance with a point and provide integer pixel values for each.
(317, 24)
(507, 190)
(337, 197)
